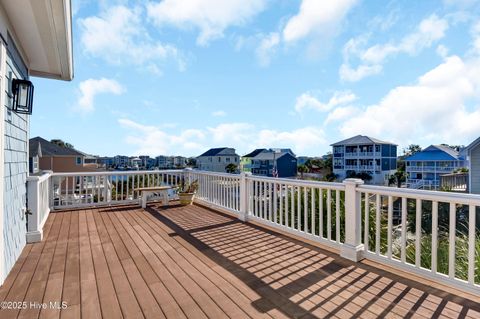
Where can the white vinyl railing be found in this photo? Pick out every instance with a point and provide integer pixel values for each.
(217, 189)
(307, 209)
(38, 205)
(429, 233)
(74, 190)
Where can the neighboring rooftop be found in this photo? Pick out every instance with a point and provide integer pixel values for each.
(270, 155)
(435, 153)
(255, 152)
(216, 151)
(361, 139)
(42, 147)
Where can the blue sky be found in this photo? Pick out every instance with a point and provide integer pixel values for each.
(178, 77)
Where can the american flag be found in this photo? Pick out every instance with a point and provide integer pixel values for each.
(275, 171)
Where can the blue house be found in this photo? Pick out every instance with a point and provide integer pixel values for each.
(425, 168)
(283, 160)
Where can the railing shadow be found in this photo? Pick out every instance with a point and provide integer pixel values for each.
(335, 284)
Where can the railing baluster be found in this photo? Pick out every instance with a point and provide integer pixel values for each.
(320, 212)
(312, 211)
(275, 203)
(292, 207)
(299, 212)
(337, 216)
(329, 214)
(471, 244)
(434, 235)
(281, 200)
(403, 246)
(305, 210)
(366, 233)
(418, 232)
(389, 226)
(377, 224)
(451, 240)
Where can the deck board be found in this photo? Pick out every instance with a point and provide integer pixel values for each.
(192, 262)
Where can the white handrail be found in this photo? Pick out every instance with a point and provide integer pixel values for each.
(38, 205)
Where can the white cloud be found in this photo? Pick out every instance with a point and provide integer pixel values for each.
(306, 101)
(92, 87)
(371, 59)
(118, 36)
(442, 107)
(244, 137)
(442, 51)
(267, 48)
(316, 17)
(211, 17)
(341, 113)
(219, 113)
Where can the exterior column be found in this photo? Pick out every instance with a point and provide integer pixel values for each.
(352, 248)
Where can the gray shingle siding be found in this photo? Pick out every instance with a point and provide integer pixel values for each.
(475, 170)
(16, 167)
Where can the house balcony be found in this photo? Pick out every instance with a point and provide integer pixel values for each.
(249, 247)
(362, 167)
(362, 154)
(430, 168)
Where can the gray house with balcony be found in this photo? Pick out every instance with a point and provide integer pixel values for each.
(217, 159)
(364, 154)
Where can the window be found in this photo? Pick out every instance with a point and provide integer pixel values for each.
(227, 159)
(219, 159)
(78, 160)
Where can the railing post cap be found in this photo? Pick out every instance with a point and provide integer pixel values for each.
(353, 181)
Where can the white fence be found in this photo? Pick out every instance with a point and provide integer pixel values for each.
(432, 234)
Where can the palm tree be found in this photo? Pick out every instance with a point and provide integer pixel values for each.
(302, 169)
(231, 168)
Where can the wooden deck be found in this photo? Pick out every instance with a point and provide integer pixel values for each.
(190, 262)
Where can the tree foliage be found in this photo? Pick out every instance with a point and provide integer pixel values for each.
(61, 143)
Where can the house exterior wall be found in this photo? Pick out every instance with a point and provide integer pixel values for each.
(64, 164)
(15, 161)
(475, 170)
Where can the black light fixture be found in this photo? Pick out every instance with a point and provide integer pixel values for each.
(22, 96)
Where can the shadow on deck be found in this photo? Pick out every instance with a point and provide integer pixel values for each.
(191, 262)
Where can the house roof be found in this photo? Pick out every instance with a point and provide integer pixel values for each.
(435, 153)
(361, 139)
(255, 152)
(216, 151)
(49, 149)
(270, 155)
(472, 145)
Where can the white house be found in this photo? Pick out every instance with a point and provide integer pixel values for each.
(217, 159)
(35, 40)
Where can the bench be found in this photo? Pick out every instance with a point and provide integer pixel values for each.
(146, 191)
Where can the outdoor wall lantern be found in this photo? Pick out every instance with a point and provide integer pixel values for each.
(22, 96)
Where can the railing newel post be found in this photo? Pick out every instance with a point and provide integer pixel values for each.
(244, 193)
(352, 248)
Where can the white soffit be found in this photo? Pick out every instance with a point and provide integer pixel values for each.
(43, 29)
